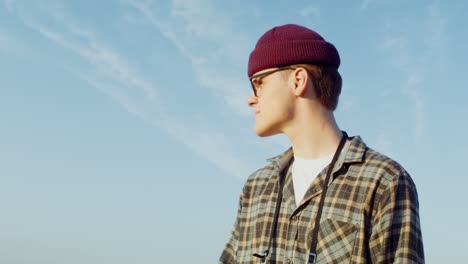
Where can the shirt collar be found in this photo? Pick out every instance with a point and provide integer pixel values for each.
(283, 159)
(353, 152)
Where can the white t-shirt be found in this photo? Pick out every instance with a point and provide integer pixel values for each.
(304, 172)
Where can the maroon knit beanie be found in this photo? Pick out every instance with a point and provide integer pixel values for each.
(291, 44)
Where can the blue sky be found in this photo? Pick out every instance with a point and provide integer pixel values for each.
(126, 137)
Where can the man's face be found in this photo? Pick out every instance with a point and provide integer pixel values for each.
(273, 103)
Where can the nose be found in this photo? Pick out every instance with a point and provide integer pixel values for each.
(252, 100)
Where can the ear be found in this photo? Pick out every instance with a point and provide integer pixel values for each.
(299, 81)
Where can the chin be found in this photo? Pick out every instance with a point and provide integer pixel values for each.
(266, 132)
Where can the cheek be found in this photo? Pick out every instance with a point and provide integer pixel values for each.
(279, 110)
(277, 102)
(282, 105)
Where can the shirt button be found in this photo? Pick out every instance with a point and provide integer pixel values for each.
(288, 261)
(294, 218)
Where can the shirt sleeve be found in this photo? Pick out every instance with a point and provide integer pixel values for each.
(229, 253)
(396, 233)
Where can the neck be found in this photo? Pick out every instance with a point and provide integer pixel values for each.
(316, 136)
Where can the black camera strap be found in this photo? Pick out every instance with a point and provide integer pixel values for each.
(265, 253)
(313, 244)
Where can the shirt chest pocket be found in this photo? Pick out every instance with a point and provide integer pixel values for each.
(335, 241)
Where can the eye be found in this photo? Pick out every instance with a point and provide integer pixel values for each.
(257, 82)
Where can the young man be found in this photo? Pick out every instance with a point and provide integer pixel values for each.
(329, 198)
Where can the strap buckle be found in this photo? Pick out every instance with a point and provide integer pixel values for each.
(312, 258)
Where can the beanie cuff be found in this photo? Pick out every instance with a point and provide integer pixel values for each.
(293, 52)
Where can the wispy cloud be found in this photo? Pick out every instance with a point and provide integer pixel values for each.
(215, 148)
(365, 3)
(6, 41)
(109, 63)
(410, 68)
(436, 35)
(414, 74)
(114, 76)
(382, 143)
(310, 11)
(10, 45)
(213, 49)
(413, 53)
(121, 99)
(8, 4)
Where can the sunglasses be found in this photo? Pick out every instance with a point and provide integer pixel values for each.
(263, 75)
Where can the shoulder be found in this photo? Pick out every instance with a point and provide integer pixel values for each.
(258, 180)
(269, 174)
(386, 167)
(261, 175)
(377, 173)
(373, 165)
(393, 182)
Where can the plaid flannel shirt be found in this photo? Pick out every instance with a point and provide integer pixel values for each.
(370, 214)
